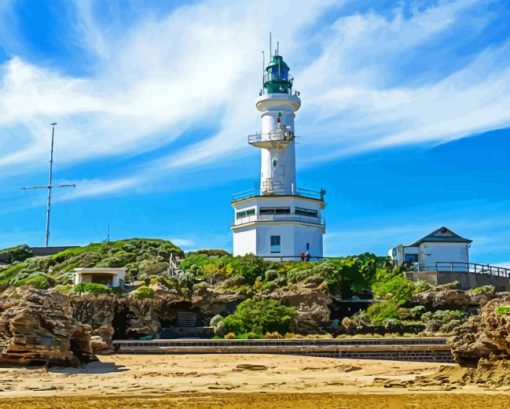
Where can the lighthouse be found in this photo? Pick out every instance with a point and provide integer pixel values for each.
(278, 220)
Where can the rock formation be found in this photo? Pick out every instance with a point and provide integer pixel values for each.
(37, 327)
(312, 308)
(483, 336)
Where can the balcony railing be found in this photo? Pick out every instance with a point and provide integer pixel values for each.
(279, 135)
(460, 267)
(280, 218)
(255, 192)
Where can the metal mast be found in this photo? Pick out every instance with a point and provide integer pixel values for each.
(50, 187)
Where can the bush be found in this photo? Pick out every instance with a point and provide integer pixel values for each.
(143, 292)
(379, 312)
(230, 335)
(14, 254)
(37, 280)
(259, 316)
(91, 288)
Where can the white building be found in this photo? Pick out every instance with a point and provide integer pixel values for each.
(441, 249)
(111, 277)
(278, 221)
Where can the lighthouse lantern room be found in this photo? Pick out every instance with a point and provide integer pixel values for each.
(278, 221)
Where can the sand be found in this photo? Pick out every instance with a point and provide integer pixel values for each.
(237, 381)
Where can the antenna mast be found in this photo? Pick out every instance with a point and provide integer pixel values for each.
(263, 67)
(50, 186)
(270, 47)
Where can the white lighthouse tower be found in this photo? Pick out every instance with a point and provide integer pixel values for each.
(278, 221)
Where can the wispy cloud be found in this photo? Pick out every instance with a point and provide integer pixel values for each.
(160, 76)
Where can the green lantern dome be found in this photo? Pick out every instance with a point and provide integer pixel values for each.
(276, 77)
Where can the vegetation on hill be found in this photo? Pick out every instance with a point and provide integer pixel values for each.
(255, 317)
(142, 258)
(13, 254)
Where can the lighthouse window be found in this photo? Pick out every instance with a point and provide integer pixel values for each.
(275, 210)
(306, 212)
(245, 213)
(275, 244)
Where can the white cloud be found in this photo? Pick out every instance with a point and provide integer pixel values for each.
(182, 242)
(163, 75)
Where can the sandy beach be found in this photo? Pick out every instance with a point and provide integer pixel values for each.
(188, 381)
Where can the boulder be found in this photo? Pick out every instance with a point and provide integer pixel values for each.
(37, 327)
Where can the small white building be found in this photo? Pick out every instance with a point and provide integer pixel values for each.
(441, 249)
(111, 277)
(278, 221)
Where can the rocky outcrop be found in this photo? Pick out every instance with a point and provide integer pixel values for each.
(454, 299)
(312, 308)
(98, 311)
(483, 336)
(37, 327)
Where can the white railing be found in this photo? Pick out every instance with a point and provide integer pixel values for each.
(280, 218)
(279, 135)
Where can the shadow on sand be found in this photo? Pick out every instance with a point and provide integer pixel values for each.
(91, 368)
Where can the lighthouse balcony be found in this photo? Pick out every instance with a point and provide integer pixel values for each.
(279, 137)
(279, 218)
(266, 192)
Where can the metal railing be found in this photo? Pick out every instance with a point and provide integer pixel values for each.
(254, 192)
(279, 218)
(461, 267)
(279, 135)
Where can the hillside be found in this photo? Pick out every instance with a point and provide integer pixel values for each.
(141, 257)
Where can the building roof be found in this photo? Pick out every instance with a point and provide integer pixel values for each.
(441, 235)
(100, 270)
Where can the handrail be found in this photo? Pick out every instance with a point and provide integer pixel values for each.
(462, 267)
(255, 192)
(279, 217)
(279, 135)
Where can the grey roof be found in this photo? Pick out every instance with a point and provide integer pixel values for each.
(441, 235)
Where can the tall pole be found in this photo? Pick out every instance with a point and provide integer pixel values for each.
(50, 187)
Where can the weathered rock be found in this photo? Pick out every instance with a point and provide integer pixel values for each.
(37, 327)
(483, 336)
(98, 311)
(312, 308)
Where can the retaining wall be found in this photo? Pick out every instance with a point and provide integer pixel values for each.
(398, 349)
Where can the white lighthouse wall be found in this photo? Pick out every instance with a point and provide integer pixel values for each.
(293, 240)
(284, 175)
(245, 242)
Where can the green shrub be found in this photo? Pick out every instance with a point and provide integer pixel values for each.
(379, 312)
(502, 310)
(417, 312)
(91, 288)
(144, 292)
(37, 280)
(259, 316)
(15, 254)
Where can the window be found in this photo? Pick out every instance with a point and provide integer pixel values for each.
(275, 210)
(306, 212)
(275, 245)
(245, 213)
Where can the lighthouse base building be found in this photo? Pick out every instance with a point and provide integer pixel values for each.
(278, 221)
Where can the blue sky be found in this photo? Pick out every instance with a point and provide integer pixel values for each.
(405, 117)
